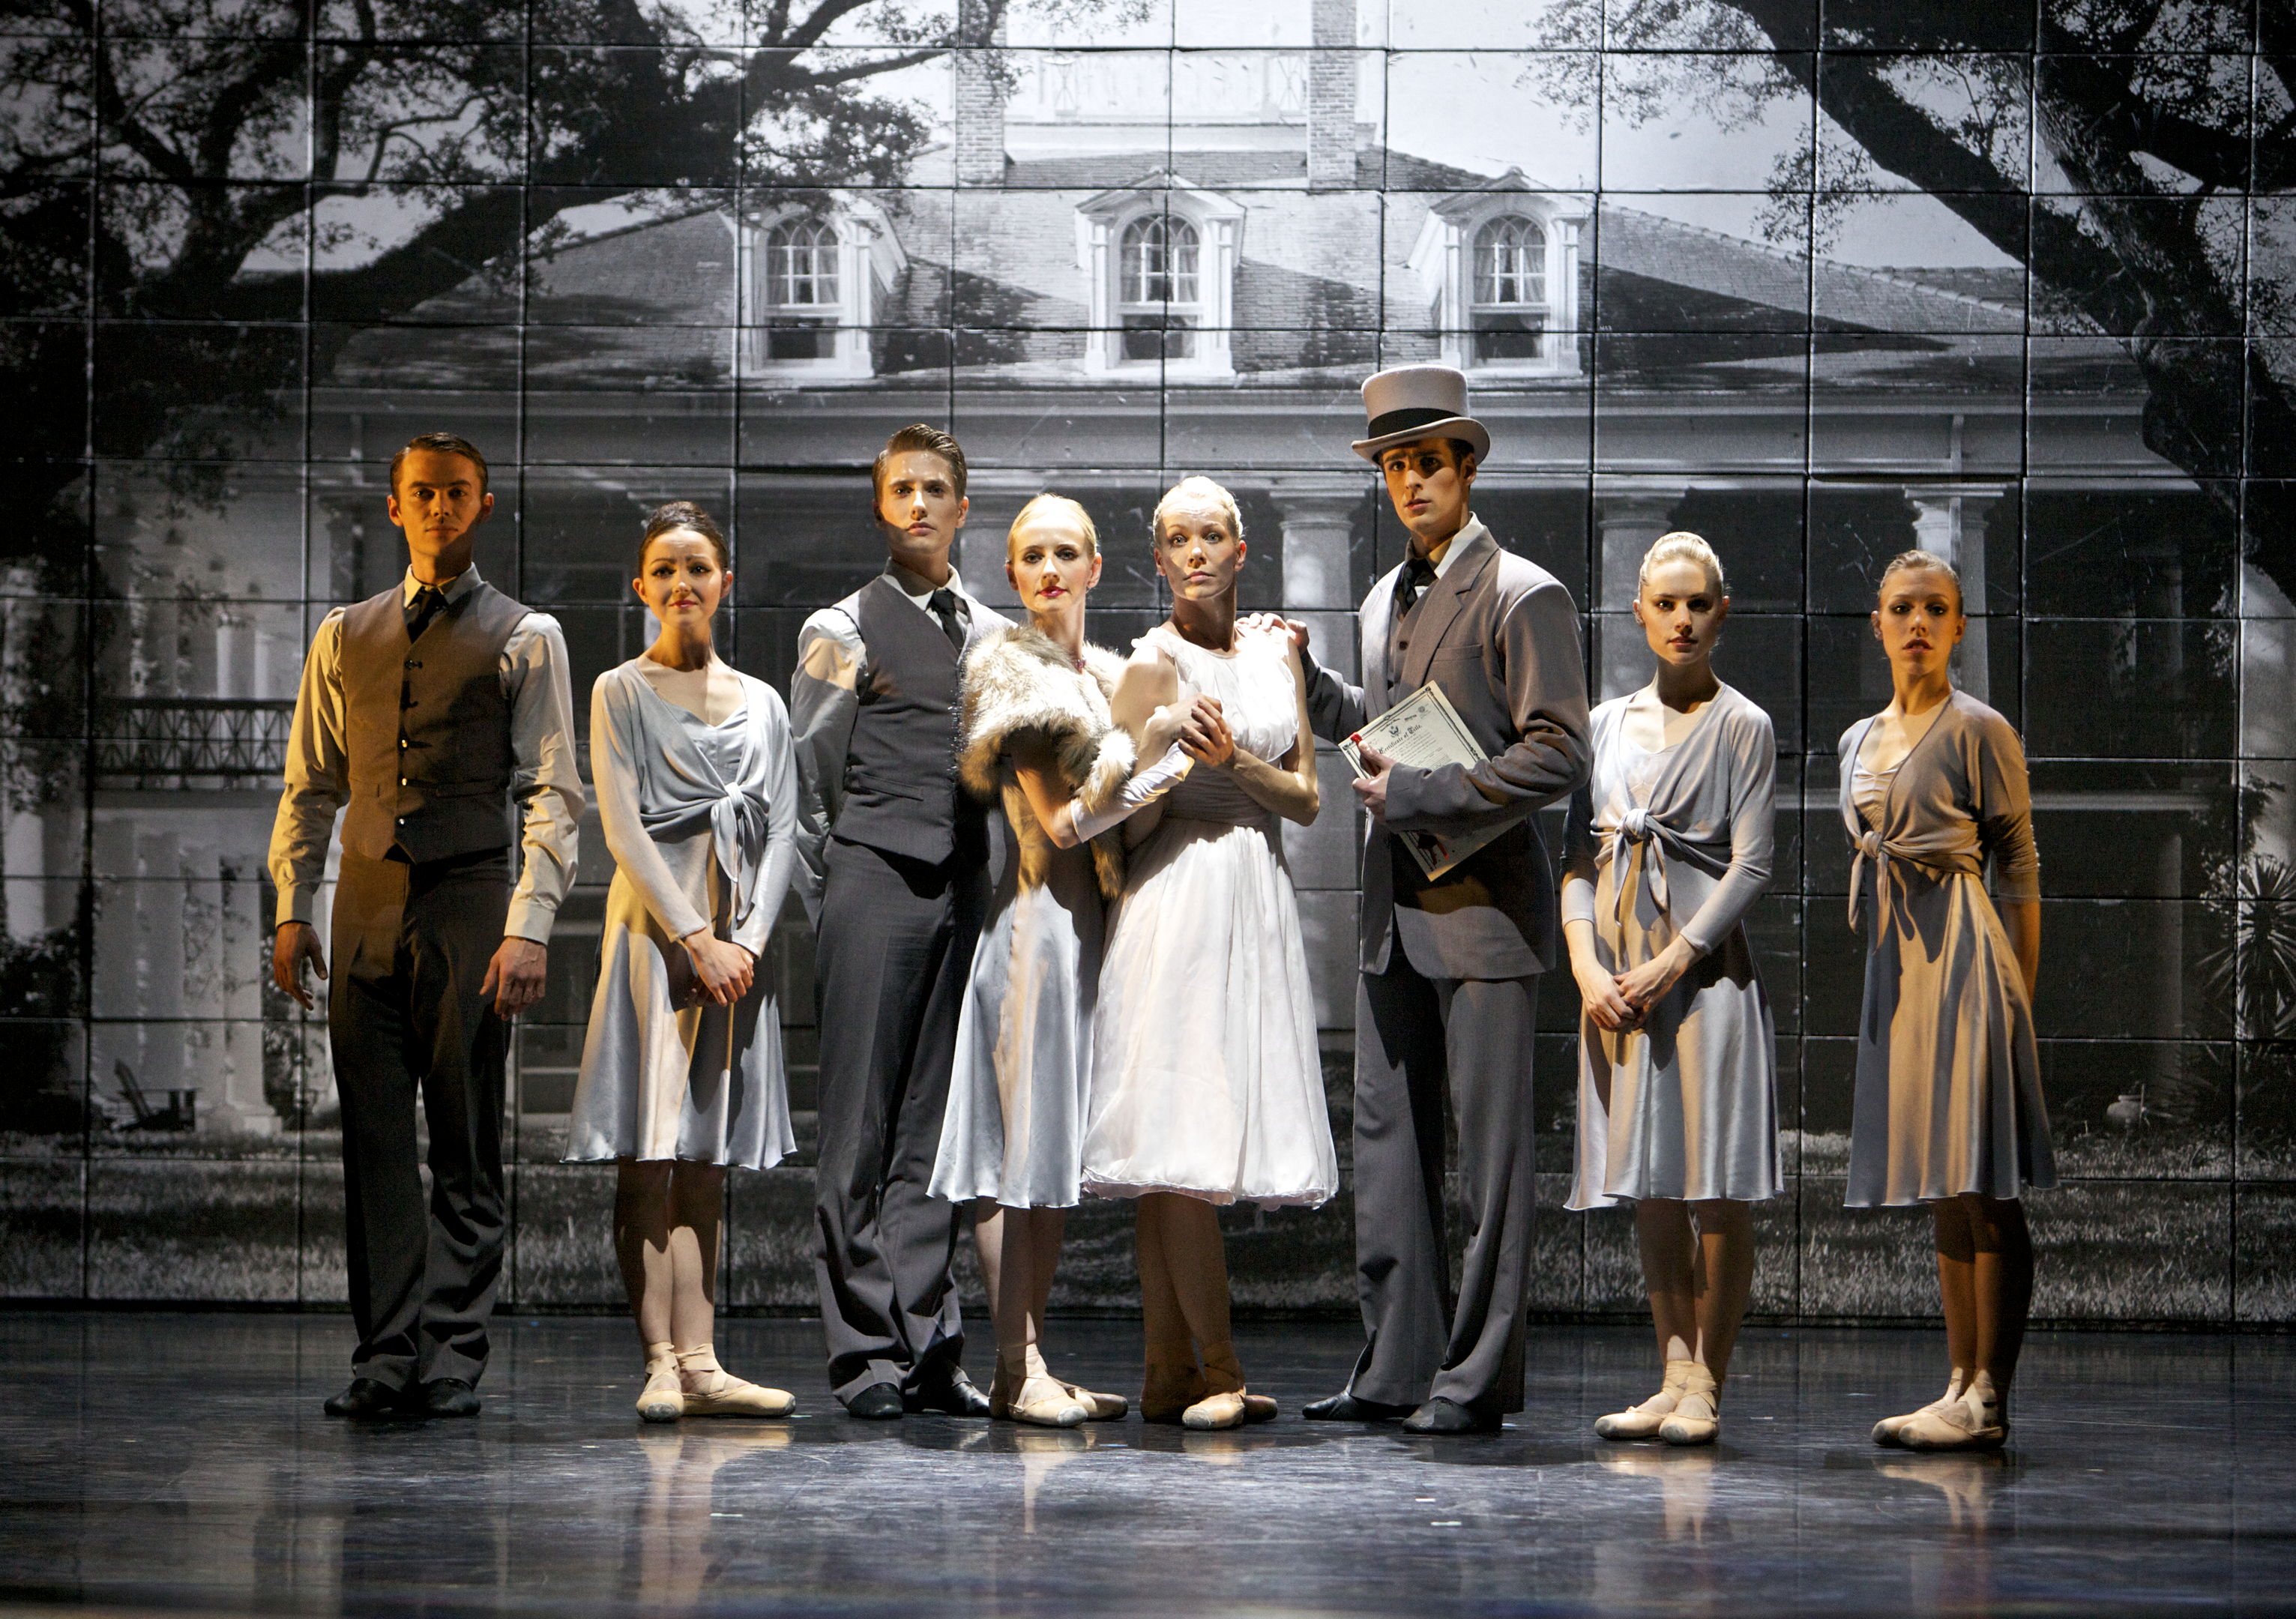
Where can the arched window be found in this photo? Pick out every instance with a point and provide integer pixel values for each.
(1508, 312)
(1159, 298)
(801, 302)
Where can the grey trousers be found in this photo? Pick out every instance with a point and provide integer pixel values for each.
(410, 949)
(1422, 1042)
(891, 957)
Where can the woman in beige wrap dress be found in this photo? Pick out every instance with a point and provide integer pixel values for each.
(682, 1068)
(1948, 1107)
(1668, 847)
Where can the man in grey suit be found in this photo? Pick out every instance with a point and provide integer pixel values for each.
(1449, 991)
(893, 867)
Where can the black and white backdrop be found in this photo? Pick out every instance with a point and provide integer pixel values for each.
(2010, 278)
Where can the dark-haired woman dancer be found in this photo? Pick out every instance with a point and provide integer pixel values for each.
(1948, 1104)
(682, 1069)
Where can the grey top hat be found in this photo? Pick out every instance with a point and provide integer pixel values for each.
(1413, 402)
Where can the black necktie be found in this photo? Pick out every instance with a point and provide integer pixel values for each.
(943, 603)
(430, 601)
(1418, 574)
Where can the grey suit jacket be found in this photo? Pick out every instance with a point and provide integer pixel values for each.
(1500, 636)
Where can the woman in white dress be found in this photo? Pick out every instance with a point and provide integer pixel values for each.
(1948, 1109)
(1038, 738)
(1207, 1087)
(1667, 848)
(682, 1066)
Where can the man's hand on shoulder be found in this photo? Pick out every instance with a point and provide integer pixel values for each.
(514, 977)
(1277, 624)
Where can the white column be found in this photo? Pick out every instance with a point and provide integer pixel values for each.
(1629, 523)
(1318, 516)
(202, 980)
(239, 1103)
(1950, 523)
(112, 992)
(160, 957)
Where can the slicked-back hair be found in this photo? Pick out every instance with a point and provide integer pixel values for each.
(1041, 504)
(440, 444)
(684, 514)
(1197, 485)
(1906, 561)
(917, 436)
(1682, 546)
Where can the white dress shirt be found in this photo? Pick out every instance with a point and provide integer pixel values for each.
(546, 780)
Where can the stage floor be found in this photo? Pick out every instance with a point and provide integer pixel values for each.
(181, 1463)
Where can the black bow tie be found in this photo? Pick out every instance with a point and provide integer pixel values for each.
(1418, 574)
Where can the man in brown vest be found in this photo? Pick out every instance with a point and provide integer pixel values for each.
(426, 710)
(893, 865)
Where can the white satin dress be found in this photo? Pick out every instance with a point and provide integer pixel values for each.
(1206, 1079)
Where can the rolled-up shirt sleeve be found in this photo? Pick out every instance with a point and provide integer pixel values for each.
(317, 776)
(824, 699)
(545, 779)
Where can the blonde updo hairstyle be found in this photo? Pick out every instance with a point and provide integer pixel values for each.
(1909, 561)
(1196, 486)
(1682, 546)
(1039, 506)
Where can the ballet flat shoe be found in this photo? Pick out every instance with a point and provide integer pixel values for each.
(1215, 1412)
(662, 1400)
(1098, 1408)
(1696, 1419)
(737, 1398)
(1960, 1425)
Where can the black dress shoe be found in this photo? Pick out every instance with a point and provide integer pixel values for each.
(449, 1397)
(368, 1398)
(878, 1402)
(952, 1394)
(1443, 1416)
(1353, 1408)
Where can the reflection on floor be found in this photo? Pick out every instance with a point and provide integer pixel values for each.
(182, 1463)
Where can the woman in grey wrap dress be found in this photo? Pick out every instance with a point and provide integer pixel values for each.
(1948, 1107)
(682, 1066)
(1668, 846)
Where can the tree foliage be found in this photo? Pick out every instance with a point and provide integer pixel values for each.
(2138, 162)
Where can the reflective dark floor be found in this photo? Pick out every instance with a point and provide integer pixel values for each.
(181, 1463)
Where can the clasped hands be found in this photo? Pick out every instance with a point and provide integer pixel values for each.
(1198, 725)
(723, 969)
(1618, 1001)
(515, 975)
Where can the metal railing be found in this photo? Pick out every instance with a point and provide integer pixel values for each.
(210, 742)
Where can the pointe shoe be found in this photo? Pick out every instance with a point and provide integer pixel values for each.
(1260, 1408)
(1970, 1423)
(1215, 1412)
(1886, 1431)
(663, 1397)
(708, 1389)
(1644, 1421)
(1015, 1395)
(1697, 1415)
(1101, 1408)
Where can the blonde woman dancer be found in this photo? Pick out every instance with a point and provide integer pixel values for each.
(1948, 1108)
(1039, 737)
(1668, 848)
(1207, 1088)
(682, 1068)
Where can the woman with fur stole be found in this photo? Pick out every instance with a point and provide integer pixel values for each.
(1040, 736)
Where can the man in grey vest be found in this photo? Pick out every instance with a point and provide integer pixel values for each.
(427, 710)
(1449, 991)
(893, 866)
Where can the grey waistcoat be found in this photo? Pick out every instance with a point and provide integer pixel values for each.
(900, 768)
(427, 727)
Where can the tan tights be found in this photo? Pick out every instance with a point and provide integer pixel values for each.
(1019, 1251)
(1985, 1275)
(667, 1216)
(1699, 1282)
(1184, 1302)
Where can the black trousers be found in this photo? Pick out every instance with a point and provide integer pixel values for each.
(892, 955)
(411, 947)
(1422, 1044)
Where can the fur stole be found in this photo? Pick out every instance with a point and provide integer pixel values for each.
(1017, 683)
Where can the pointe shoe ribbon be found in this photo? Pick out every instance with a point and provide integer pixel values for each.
(1643, 1421)
(1697, 1415)
(663, 1397)
(712, 1391)
(1886, 1431)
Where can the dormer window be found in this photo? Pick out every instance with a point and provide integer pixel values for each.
(1500, 274)
(1508, 315)
(816, 278)
(1159, 261)
(1162, 298)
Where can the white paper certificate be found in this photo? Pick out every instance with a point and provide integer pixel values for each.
(1425, 732)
